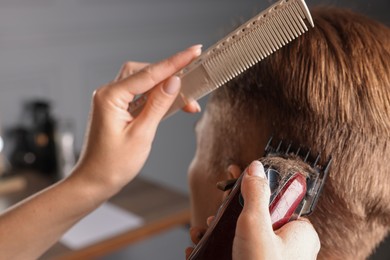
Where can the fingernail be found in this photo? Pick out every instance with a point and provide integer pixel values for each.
(197, 49)
(256, 169)
(198, 108)
(172, 85)
(193, 101)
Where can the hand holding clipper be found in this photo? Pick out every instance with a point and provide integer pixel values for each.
(295, 185)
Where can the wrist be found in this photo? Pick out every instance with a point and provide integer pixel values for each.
(93, 188)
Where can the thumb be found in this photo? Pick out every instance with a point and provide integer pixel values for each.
(256, 193)
(159, 101)
(254, 228)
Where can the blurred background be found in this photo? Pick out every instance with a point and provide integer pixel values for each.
(54, 53)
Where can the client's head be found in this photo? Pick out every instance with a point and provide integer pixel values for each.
(328, 90)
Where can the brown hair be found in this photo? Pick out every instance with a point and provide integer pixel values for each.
(330, 90)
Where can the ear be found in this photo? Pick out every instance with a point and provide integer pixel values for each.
(233, 172)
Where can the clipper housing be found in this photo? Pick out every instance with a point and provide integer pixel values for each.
(296, 179)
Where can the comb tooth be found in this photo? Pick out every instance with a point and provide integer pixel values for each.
(274, 36)
(317, 159)
(256, 50)
(268, 145)
(253, 57)
(284, 35)
(239, 50)
(233, 57)
(271, 35)
(287, 25)
(298, 151)
(303, 24)
(260, 36)
(248, 54)
(288, 148)
(292, 21)
(243, 54)
(304, 11)
(294, 10)
(296, 19)
(328, 165)
(216, 72)
(307, 155)
(236, 58)
(209, 65)
(301, 15)
(299, 9)
(267, 39)
(227, 67)
(223, 58)
(279, 145)
(260, 44)
(225, 70)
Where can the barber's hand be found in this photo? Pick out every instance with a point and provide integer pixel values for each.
(255, 238)
(117, 144)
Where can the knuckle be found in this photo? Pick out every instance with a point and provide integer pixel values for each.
(171, 64)
(262, 186)
(97, 94)
(258, 186)
(128, 66)
(149, 75)
(310, 233)
(156, 104)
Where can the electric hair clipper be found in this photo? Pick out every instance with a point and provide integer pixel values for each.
(296, 180)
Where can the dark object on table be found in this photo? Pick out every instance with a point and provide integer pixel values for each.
(33, 142)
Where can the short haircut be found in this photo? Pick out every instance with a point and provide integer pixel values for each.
(330, 90)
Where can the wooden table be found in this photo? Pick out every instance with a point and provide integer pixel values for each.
(160, 207)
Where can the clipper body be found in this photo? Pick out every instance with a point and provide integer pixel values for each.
(294, 193)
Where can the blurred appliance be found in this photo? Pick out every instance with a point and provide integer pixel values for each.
(33, 141)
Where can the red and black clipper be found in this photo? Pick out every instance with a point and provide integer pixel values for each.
(296, 180)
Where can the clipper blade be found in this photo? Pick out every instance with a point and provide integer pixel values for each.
(318, 172)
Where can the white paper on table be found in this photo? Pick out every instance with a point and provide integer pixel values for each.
(106, 221)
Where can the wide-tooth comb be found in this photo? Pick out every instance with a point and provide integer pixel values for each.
(241, 49)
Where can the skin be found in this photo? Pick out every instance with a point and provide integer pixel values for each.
(205, 197)
(115, 149)
(211, 132)
(29, 228)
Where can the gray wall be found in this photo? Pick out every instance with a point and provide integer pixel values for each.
(63, 49)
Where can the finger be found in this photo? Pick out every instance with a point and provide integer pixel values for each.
(256, 194)
(159, 101)
(129, 68)
(189, 251)
(196, 234)
(210, 220)
(192, 107)
(155, 73)
(300, 239)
